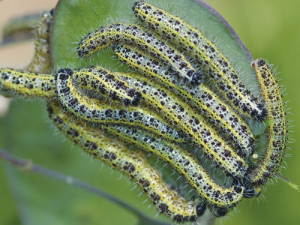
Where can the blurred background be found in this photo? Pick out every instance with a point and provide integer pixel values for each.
(269, 28)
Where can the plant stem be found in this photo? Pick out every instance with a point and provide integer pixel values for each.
(28, 165)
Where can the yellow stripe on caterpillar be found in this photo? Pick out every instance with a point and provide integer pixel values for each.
(96, 78)
(133, 34)
(204, 52)
(28, 84)
(97, 111)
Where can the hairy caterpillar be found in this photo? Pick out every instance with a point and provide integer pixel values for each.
(206, 101)
(131, 33)
(98, 79)
(28, 84)
(206, 55)
(133, 164)
(42, 59)
(96, 111)
(180, 115)
(199, 179)
(277, 131)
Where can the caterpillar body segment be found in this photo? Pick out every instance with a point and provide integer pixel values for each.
(97, 111)
(42, 58)
(131, 163)
(197, 176)
(29, 85)
(206, 55)
(277, 131)
(133, 34)
(180, 115)
(98, 79)
(201, 97)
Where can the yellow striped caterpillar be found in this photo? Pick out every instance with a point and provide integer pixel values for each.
(42, 59)
(97, 111)
(131, 33)
(28, 84)
(131, 163)
(201, 97)
(277, 130)
(206, 55)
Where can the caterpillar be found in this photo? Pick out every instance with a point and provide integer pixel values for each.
(206, 101)
(98, 79)
(205, 54)
(131, 33)
(42, 58)
(28, 84)
(180, 115)
(97, 111)
(277, 130)
(199, 179)
(131, 163)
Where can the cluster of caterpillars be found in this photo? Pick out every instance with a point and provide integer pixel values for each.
(162, 105)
